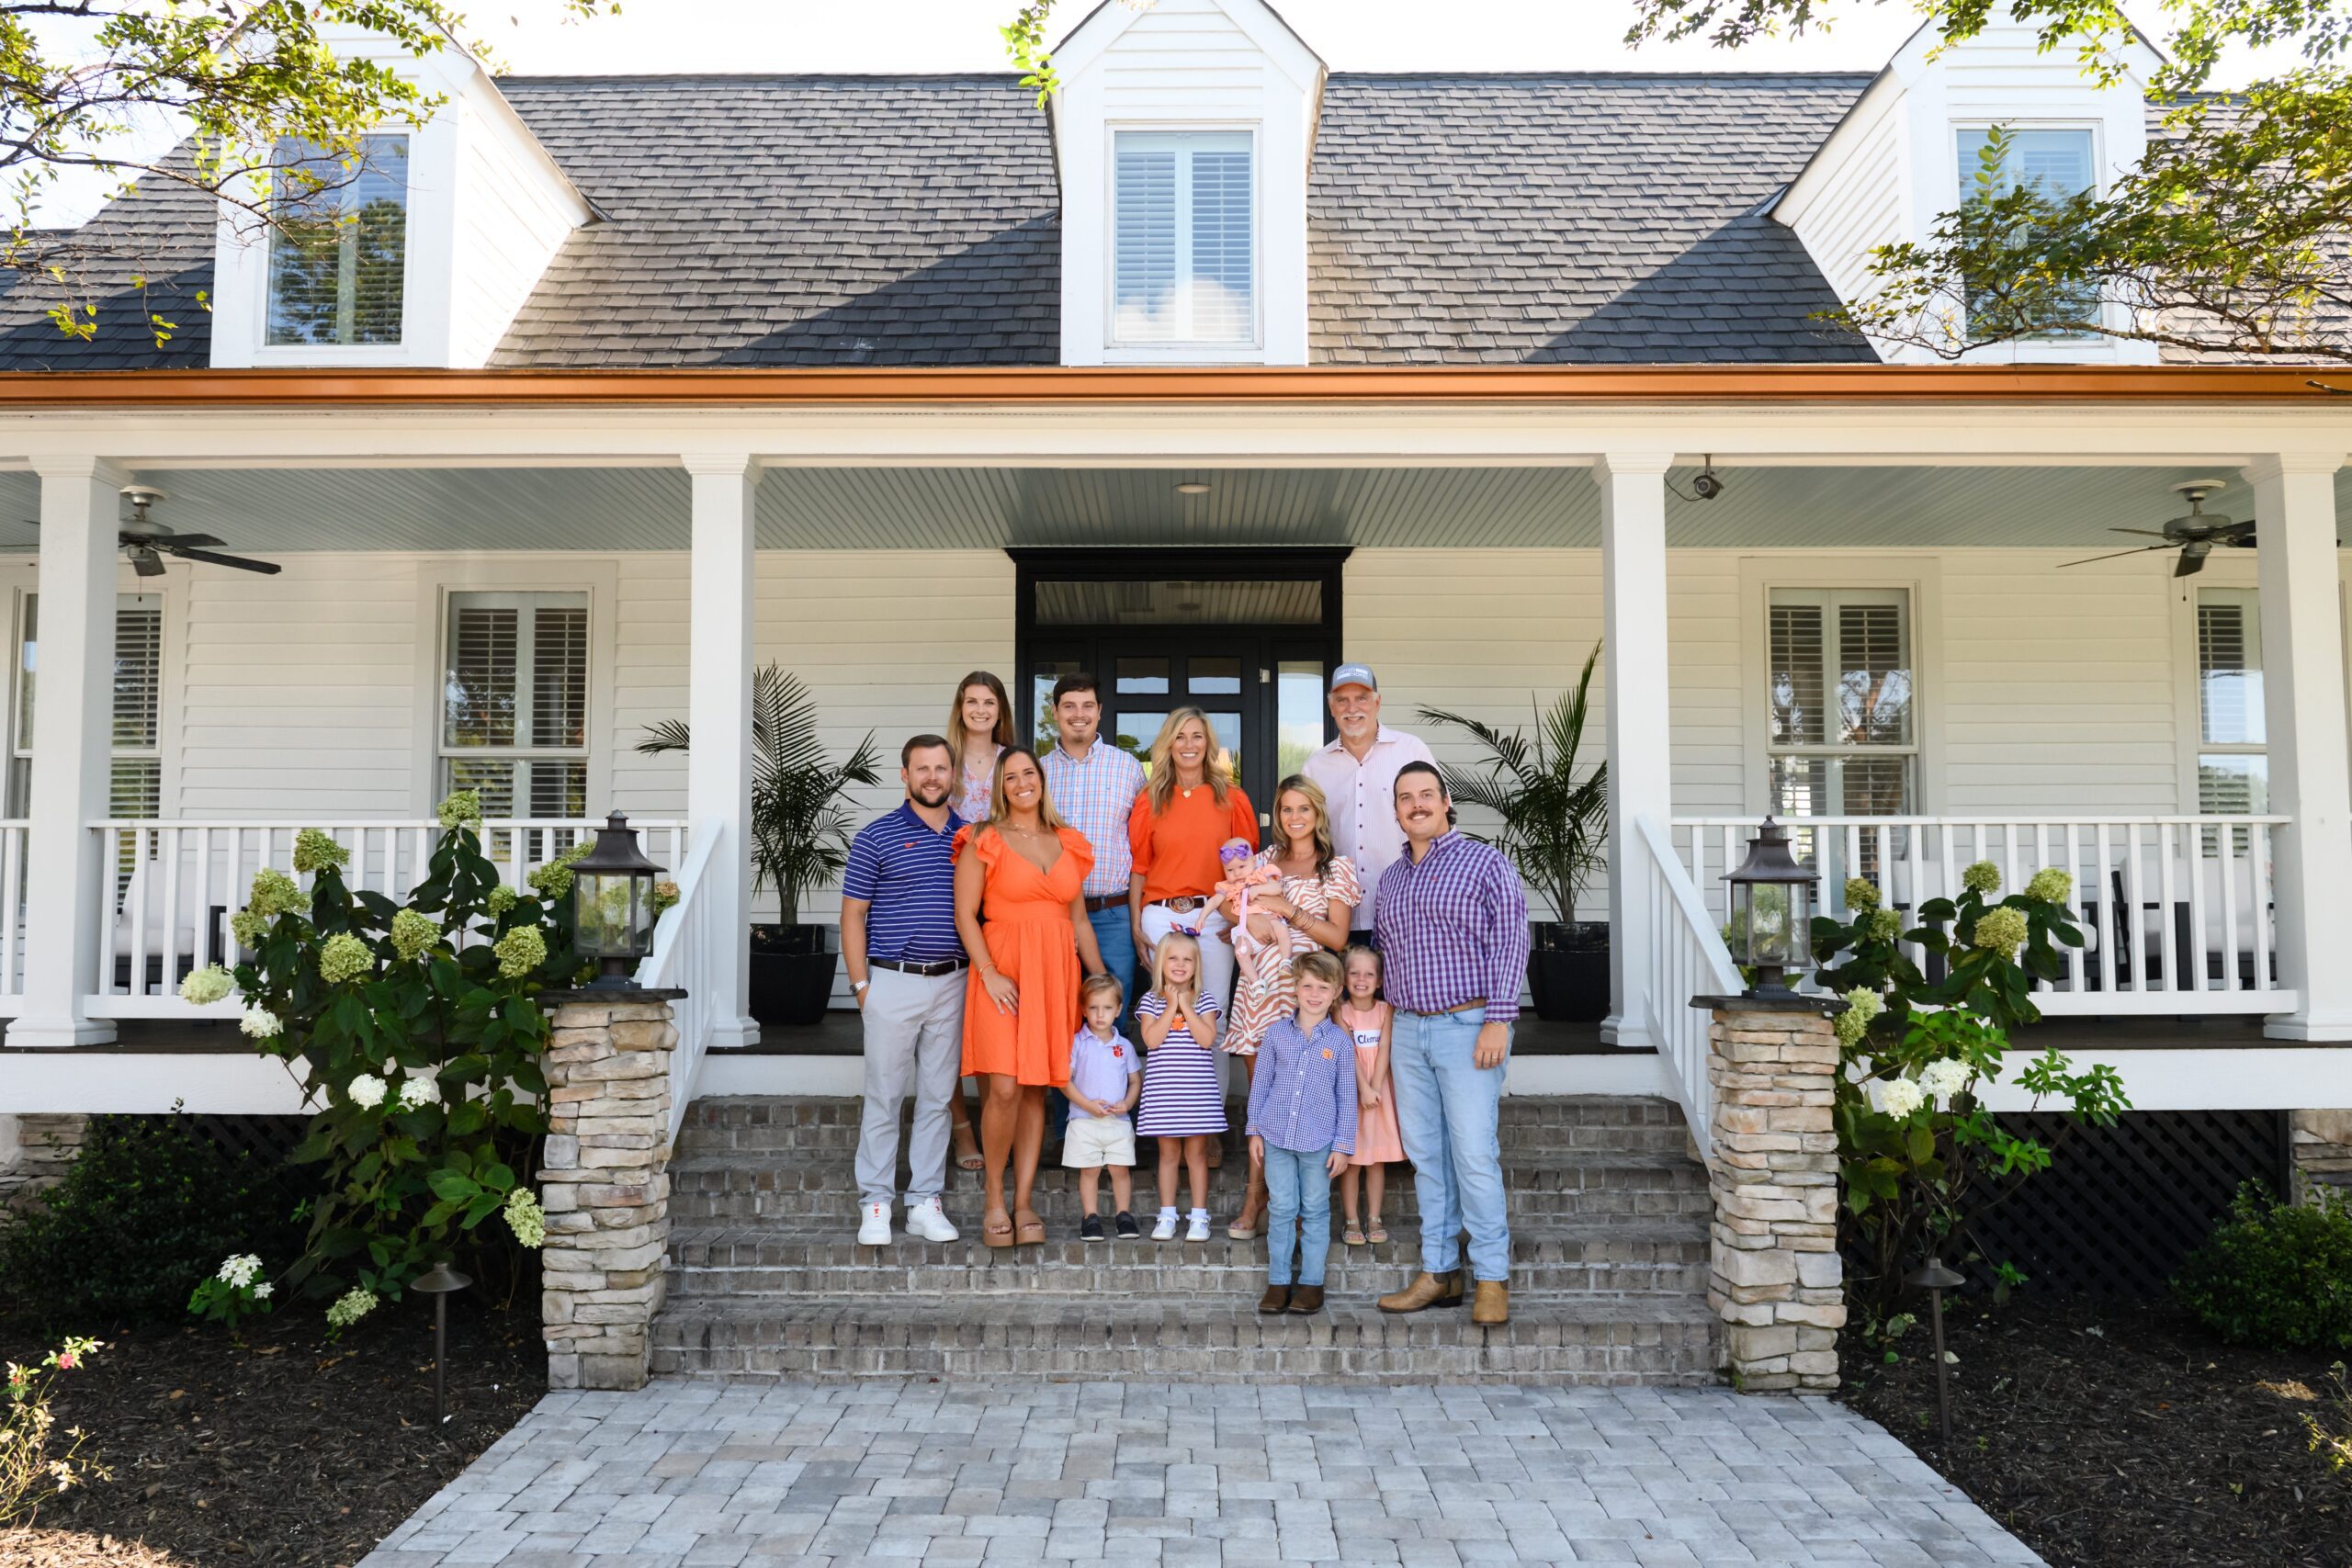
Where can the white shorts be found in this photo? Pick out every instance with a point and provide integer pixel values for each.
(1092, 1142)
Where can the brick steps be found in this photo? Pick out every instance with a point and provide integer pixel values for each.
(1593, 1339)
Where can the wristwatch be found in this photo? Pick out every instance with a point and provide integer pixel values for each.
(857, 988)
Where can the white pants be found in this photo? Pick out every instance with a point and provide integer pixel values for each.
(1216, 954)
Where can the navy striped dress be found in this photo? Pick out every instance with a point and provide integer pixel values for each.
(1182, 1092)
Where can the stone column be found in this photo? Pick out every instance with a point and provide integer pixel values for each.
(2320, 1145)
(35, 1154)
(1775, 1278)
(604, 1184)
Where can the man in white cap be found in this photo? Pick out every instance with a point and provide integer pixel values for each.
(1357, 774)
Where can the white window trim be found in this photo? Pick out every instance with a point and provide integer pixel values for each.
(1191, 351)
(442, 576)
(2230, 569)
(1920, 577)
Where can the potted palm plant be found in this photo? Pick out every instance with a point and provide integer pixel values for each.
(1554, 828)
(800, 833)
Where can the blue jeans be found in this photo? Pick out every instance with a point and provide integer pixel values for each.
(1115, 940)
(1298, 1202)
(1446, 1109)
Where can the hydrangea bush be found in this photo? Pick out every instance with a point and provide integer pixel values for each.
(1920, 1159)
(418, 1028)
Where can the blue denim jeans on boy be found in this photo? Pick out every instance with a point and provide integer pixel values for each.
(1298, 1198)
(1446, 1109)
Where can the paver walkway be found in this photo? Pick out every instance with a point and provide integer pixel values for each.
(693, 1474)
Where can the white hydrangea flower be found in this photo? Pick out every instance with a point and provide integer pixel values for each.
(206, 985)
(524, 1217)
(354, 1305)
(366, 1091)
(1900, 1097)
(260, 1024)
(1946, 1077)
(240, 1270)
(262, 1290)
(416, 1092)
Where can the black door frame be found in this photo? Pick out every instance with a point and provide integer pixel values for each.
(1260, 564)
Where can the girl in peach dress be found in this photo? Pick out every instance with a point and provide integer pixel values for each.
(1366, 1018)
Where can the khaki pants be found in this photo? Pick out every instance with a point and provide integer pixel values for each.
(914, 1041)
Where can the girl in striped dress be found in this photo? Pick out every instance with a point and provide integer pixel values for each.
(1183, 1104)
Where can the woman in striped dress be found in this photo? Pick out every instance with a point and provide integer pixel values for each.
(1183, 1104)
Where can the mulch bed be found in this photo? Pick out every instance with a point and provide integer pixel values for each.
(2118, 1434)
(287, 1450)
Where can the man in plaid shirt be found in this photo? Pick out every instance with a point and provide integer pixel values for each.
(1452, 926)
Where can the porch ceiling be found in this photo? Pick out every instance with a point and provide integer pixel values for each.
(629, 509)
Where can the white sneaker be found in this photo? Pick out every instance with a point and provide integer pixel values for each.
(928, 1221)
(874, 1226)
(1198, 1229)
(1166, 1229)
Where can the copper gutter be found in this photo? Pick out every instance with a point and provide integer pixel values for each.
(1253, 384)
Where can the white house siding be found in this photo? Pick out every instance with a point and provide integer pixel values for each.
(515, 212)
(1854, 200)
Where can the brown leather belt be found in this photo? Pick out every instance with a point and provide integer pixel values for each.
(1108, 901)
(1458, 1007)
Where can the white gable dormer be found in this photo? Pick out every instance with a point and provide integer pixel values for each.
(451, 224)
(1907, 152)
(1182, 135)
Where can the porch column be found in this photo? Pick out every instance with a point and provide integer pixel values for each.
(66, 887)
(2310, 774)
(718, 709)
(1641, 762)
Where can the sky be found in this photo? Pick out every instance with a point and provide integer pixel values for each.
(536, 38)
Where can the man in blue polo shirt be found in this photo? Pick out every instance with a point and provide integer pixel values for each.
(905, 968)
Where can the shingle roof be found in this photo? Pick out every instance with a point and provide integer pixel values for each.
(914, 220)
(163, 235)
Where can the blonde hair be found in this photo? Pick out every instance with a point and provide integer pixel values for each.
(1163, 768)
(998, 810)
(1324, 966)
(1005, 734)
(1096, 984)
(1359, 950)
(1326, 851)
(1168, 943)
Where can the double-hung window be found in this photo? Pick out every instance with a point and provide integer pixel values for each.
(2233, 769)
(2056, 162)
(135, 783)
(338, 244)
(1843, 725)
(515, 702)
(1183, 243)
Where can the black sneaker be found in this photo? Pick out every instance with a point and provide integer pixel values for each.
(1128, 1228)
(1091, 1228)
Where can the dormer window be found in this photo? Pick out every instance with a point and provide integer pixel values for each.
(1184, 254)
(338, 250)
(2056, 162)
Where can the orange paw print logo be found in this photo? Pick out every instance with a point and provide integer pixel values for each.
(1327, 1053)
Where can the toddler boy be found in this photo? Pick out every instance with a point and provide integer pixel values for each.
(1106, 1078)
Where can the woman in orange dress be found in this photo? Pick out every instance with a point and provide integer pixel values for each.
(1021, 909)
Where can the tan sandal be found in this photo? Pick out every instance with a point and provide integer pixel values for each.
(1029, 1230)
(967, 1148)
(1353, 1236)
(997, 1231)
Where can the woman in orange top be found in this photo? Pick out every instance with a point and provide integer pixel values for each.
(1021, 909)
(1191, 807)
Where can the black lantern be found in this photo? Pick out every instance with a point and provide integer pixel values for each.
(612, 903)
(1772, 911)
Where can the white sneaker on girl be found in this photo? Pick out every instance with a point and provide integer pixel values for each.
(1166, 1229)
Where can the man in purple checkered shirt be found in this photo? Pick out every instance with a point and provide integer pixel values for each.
(1452, 926)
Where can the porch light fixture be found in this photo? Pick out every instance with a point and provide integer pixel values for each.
(1192, 487)
(1772, 911)
(440, 1282)
(612, 903)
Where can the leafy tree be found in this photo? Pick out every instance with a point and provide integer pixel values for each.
(266, 102)
(2233, 234)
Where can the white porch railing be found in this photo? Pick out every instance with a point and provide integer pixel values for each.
(1683, 957)
(180, 882)
(683, 946)
(2175, 911)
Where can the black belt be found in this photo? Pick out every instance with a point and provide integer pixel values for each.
(929, 971)
(1108, 901)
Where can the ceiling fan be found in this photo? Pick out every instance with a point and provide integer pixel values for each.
(146, 542)
(2196, 534)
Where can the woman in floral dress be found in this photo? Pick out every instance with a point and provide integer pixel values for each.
(1317, 894)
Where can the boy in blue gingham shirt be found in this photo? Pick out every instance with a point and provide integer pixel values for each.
(1303, 1128)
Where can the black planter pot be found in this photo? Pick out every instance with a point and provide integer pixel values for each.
(1568, 970)
(792, 974)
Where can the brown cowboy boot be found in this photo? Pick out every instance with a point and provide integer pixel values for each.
(1306, 1298)
(1426, 1291)
(1493, 1305)
(1276, 1299)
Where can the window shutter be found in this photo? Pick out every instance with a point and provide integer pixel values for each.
(1221, 245)
(1873, 676)
(138, 674)
(1797, 719)
(558, 677)
(2227, 696)
(479, 702)
(1144, 243)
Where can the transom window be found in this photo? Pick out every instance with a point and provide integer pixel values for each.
(1183, 262)
(515, 702)
(338, 246)
(135, 783)
(1843, 727)
(2233, 766)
